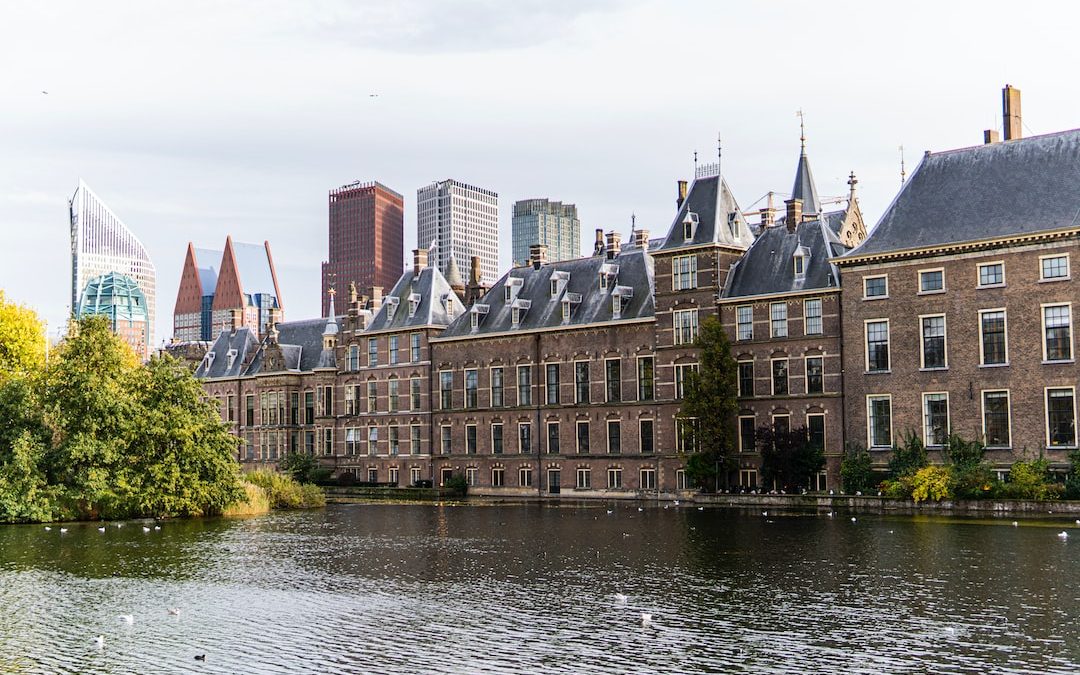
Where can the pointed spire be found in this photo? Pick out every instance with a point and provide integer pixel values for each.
(331, 321)
(805, 189)
(802, 132)
(453, 275)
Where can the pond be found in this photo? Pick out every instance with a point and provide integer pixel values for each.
(530, 588)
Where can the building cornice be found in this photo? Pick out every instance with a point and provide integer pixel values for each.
(743, 299)
(548, 329)
(959, 247)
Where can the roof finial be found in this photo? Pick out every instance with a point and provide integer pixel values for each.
(852, 181)
(903, 171)
(633, 223)
(719, 154)
(695, 164)
(802, 131)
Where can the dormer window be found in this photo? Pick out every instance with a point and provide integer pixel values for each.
(512, 288)
(620, 295)
(559, 280)
(565, 311)
(208, 360)
(608, 272)
(518, 310)
(414, 304)
(569, 300)
(230, 358)
(391, 307)
(800, 259)
(448, 305)
(689, 225)
(554, 287)
(478, 310)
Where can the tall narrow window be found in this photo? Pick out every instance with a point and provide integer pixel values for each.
(1057, 328)
(372, 352)
(581, 381)
(744, 315)
(496, 387)
(645, 434)
(309, 407)
(414, 394)
(551, 383)
(994, 346)
(583, 437)
(445, 440)
(933, 342)
(470, 439)
(524, 438)
(393, 349)
(778, 319)
(354, 358)
(686, 326)
(613, 379)
(524, 385)
(684, 272)
(815, 375)
(497, 439)
(373, 440)
(879, 420)
(877, 346)
(471, 384)
(414, 347)
(682, 372)
(746, 434)
(446, 389)
(815, 430)
(1061, 417)
(614, 437)
(935, 419)
(414, 440)
(553, 438)
(996, 431)
(746, 378)
(393, 395)
(779, 377)
(584, 479)
(645, 378)
(812, 316)
(372, 396)
(395, 441)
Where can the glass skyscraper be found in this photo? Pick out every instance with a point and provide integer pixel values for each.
(553, 224)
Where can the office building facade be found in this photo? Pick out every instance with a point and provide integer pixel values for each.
(552, 224)
(458, 222)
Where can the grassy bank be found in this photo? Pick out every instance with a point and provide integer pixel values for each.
(267, 490)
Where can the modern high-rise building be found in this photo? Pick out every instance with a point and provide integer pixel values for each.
(118, 298)
(367, 240)
(233, 288)
(462, 221)
(553, 224)
(101, 243)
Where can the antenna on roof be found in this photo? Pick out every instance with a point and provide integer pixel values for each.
(695, 163)
(802, 131)
(903, 171)
(719, 154)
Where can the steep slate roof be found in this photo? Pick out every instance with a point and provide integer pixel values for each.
(208, 261)
(635, 271)
(995, 190)
(768, 266)
(300, 341)
(720, 220)
(432, 287)
(243, 341)
(804, 187)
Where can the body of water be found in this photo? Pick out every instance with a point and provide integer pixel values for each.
(374, 588)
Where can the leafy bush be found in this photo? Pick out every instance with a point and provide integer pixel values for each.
(304, 467)
(907, 458)
(974, 481)
(932, 482)
(856, 474)
(899, 488)
(457, 484)
(282, 490)
(313, 496)
(254, 502)
(1031, 480)
(788, 459)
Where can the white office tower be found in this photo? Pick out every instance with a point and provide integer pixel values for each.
(101, 243)
(462, 221)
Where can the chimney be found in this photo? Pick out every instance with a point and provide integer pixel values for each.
(641, 239)
(598, 247)
(682, 195)
(419, 256)
(376, 298)
(794, 213)
(1010, 112)
(474, 270)
(768, 217)
(237, 318)
(614, 241)
(991, 136)
(537, 255)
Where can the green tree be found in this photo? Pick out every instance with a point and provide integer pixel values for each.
(25, 496)
(788, 459)
(22, 339)
(971, 476)
(304, 467)
(856, 470)
(709, 406)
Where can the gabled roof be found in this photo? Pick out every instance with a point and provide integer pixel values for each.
(804, 187)
(719, 218)
(207, 262)
(307, 335)
(630, 276)
(768, 266)
(300, 342)
(988, 191)
(216, 363)
(432, 290)
(255, 268)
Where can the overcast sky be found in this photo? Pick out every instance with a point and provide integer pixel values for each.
(194, 120)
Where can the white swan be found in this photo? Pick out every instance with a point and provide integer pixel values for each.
(63, 530)
(48, 529)
(853, 519)
(1063, 535)
(99, 641)
(127, 618)
(101, 529)
(145, 529)
(175, 611)
(646, 619)
(621, 598)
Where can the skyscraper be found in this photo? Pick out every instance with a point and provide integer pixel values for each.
(553, 224)
(462, 221)
(367, 240)
(101, 243)
(119, 299)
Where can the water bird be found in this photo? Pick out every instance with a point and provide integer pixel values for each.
(831, 492)
(1015, 523)
(63, 530)
(48, 529)
(853, 519)
(157, 527)
(765, 513)
(1063, 535)
(676, 502)
(99, 641)
(200, 657)
(127, 618)
(101, 529)
(858, 493)
(609, 512)
(830, 514)
(701, 508)
(175, 611)
(1078, 522)
(641, 509)
(119, 525)
(621, 598)
(646, 619)
(145, 529)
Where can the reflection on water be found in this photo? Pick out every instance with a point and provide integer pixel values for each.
(530, 588)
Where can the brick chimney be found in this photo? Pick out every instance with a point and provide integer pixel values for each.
(537, 255)
(1010, 112)
(236, 319)
(641, 239)
(768, 217)
(420, 261)
(682, 195)
(614, 241)
(376, 298)
(991, 136)
(476, 288)
(794, 214)
(598, 246)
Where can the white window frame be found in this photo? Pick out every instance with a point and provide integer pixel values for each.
(607, 436)
(649, 484)
(978, 274)
(739, 324)
(691, 324)
(586, 473)
(615, 471)
(777, 416)
(739, 430)
(1068, 267)
(772, 375)
(824, 428)
(738, 380)
(1008, 414)
(1072, 339)
(491, 386)
(476, 436)
(677, 273)
(870, 398)
(922, 344)
(982, 354)
(577, 435)
(948, 418)
(491, 434)
(652, 435)
(773, 319)
(1046, 417)
(883, 296)
(607, 392)
(532, 438)
(930, 270)
(806, 374)
(888, 343)
(680, 479)
(680, 382)
(820, 317)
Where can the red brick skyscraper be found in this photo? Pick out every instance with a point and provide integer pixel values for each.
(367, 230)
